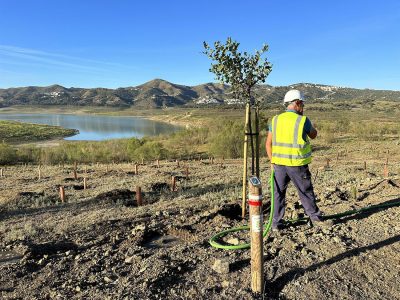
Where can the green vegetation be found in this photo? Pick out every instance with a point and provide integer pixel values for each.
(16, 132)
(220, 135)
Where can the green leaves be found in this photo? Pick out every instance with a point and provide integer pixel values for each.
(240, 70)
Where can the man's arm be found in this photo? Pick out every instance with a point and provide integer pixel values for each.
(268, 145)
(310, 130)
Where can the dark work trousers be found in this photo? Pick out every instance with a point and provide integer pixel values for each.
(301, 178)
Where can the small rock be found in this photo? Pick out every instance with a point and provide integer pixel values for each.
(272, 251)
(221, 266)
(336, 239)
(129, 260)
(107, 280)
(233, 241)
(78, 289)
(225, 284)
(326, 231)
(140, 227)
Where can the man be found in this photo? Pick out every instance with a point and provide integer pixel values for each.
(289, 151)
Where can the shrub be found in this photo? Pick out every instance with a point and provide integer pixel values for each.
(151, 151)
(328, 134)
(227, 140)
(7, 154)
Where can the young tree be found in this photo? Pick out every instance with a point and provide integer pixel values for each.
(242, 71)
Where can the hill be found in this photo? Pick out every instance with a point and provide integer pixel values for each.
(159, 93)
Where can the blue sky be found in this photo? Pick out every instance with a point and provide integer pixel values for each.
(121, 43)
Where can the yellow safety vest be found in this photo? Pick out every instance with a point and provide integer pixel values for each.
(288, 146)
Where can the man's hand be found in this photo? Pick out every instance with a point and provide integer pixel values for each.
(313, 133)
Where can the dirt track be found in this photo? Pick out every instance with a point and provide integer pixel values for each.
(100, 245)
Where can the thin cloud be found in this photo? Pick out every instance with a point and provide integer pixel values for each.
(23, 55)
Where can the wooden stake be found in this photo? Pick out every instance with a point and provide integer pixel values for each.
(84, 183)
(257, 138)
(177, 163)
(142, 161)
(337, 157)
(75, 173)
(173, 184)
(256, 226)
(244, 181)
(212, 160)
(327, 162)
(365, 166)
(354, 193)
(1, 172)
(62, 194)
(139, 196)
(39, 173)
(136, 169)
(187, 172)
(385, 171)
(158, 163)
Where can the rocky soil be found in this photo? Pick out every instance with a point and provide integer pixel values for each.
(100, 244)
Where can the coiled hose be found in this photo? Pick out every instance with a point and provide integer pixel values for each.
(214, 240)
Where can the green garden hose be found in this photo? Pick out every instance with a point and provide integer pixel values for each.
(213, 241)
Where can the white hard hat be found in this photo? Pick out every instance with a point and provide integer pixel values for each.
(293, 95)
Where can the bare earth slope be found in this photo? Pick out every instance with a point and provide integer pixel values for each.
(100, 245)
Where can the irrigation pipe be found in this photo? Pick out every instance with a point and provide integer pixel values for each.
(214, 240)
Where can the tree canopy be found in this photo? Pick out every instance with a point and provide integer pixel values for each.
(240, 70)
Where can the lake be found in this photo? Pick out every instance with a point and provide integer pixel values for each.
(95, 127)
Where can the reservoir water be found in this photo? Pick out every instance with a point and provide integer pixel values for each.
(95, 127)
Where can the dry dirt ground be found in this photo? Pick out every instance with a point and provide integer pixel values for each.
(100, 245)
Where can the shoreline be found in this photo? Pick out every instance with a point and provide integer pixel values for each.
(57, 140)
(158, 115)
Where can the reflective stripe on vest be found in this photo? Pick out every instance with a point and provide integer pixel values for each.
(288, 146)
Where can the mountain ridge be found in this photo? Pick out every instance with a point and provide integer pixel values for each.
(159, 93)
